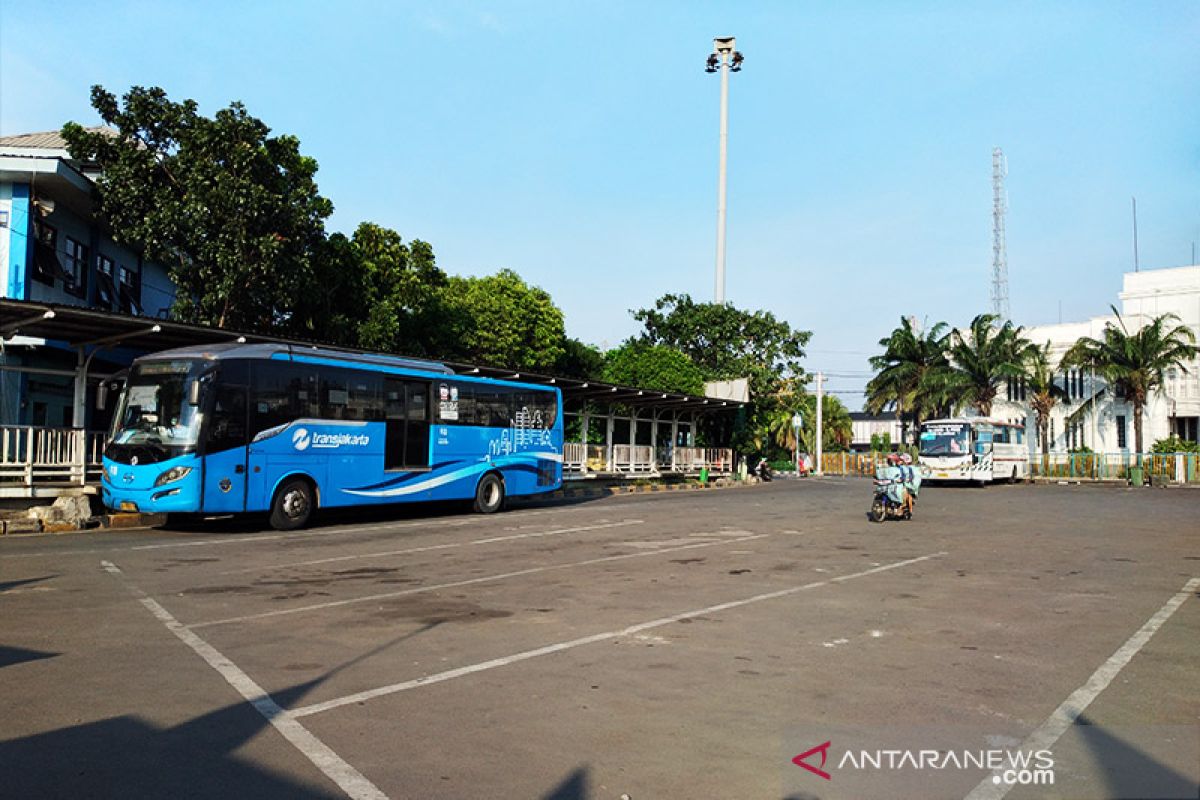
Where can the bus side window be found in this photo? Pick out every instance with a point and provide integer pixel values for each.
(227, 426)
(335, 396)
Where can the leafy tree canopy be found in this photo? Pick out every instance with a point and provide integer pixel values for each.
(232, 211)
(500, 320)
(649, 366)
(726, 342)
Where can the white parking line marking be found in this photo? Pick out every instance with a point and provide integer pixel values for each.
(347, 778)
(1065, 715)
(632, 630)
(455, 584)
(426, 548)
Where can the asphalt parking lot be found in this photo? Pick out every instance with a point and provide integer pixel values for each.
(675, 645)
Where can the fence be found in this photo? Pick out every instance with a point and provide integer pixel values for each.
(31, 455)
(1171, 467)
(623, 459)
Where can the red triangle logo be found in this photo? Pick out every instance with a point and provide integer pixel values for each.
(823, 749)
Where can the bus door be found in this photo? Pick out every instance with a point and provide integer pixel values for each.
(406, 408)
(225, 442)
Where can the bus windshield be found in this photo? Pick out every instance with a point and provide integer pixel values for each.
(155, 415)
(945, 439)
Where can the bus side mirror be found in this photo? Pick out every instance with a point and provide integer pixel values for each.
(194, 393)
(102, 395)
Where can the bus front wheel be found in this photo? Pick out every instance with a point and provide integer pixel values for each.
(293, 505)
(489, 494)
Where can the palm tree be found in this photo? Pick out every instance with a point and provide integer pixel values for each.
(980, 358)
(1044, 393)
(1136, 363)
(910, 373)
(835, 419)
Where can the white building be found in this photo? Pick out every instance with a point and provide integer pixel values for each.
(1108, 427)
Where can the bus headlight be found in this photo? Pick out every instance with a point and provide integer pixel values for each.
(171, 475)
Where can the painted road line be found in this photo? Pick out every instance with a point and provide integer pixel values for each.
(439, 677)
(426, 548)
(465, 582)
(337, 769)
(1050, 731)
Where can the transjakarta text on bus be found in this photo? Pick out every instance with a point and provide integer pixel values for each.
(240, 428)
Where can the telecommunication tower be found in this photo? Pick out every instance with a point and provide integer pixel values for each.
(999, 248)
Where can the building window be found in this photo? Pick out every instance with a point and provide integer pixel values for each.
(75, 269)
(130, 290)
(46, 266)
(1121, 431)
(106, 289)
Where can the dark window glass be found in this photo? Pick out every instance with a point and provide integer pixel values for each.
(1121, 431)
(227, 427)
(416, 437)
(46, 266)
(283, 392)
(335, 394)
(75, 268)
(106, 290)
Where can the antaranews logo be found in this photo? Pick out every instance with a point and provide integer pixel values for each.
(800, 761)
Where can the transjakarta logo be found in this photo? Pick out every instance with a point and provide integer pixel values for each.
(1010, 767)
(301, 439)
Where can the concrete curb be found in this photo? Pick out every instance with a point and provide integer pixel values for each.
(607, 491)
(27, 526)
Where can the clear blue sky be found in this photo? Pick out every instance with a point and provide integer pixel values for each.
(576, 142)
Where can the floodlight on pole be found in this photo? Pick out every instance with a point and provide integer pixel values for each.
(724, 59)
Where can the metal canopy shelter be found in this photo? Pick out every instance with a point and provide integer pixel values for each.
(88, 331)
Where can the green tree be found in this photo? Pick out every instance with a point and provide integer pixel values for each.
(980, 358)
(1135, 364)
(911, 374)
(836, 424)
(1044, 393)
(233, 212)
(401, 301)
(580, 360)
(652, 367)
(499, 320)
(727, 342)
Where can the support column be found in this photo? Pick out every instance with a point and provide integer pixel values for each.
(79, 412)
(633, 420)
(584, 436)
(674, 438)
(654, 442)
(608, 442)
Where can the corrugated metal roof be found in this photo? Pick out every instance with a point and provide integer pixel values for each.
(45, 140)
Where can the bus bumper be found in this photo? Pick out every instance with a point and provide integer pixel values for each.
(173, 498)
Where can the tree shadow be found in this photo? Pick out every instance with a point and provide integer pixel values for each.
(1130, 772)
(126, 756)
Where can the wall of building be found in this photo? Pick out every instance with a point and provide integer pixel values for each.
(1144, 296)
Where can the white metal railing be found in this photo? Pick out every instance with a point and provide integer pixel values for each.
(589, 459)
(31, 454)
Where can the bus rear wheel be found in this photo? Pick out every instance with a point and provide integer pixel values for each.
(292, 506)
(489, 494)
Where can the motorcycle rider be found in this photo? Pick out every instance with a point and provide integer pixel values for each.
(912, 481)
(891, 474)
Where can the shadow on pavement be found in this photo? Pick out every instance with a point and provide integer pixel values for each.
(573, 787)
(6, 585)
(362, 515)
(19, 655)
(125, 756)
(1130, 772)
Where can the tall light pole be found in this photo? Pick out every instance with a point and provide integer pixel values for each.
(724, 59)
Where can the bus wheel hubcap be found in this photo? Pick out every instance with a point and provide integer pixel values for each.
(294, 503)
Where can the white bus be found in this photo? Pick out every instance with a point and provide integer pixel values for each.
(973, 449)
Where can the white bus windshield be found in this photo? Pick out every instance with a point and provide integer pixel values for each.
(945, 439)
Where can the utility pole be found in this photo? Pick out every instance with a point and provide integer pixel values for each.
(724, 59)
(819, 469)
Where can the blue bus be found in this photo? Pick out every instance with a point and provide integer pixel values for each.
(275, 428)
